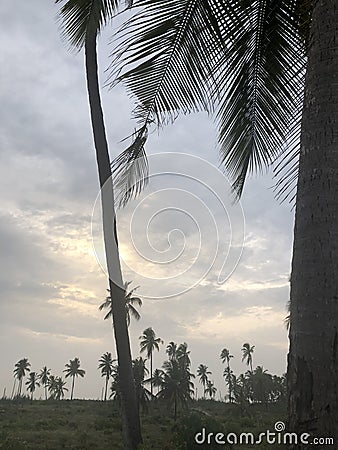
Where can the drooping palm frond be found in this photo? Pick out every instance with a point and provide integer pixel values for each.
(262, 81)
(165, 57)
(80, 16)
(130, 169)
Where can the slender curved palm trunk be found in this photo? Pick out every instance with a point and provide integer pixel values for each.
(313, 355)
(151, 374)
(106, 388)
(131, 422)
(72, 391)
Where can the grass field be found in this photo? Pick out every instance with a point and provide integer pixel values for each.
(90, 425)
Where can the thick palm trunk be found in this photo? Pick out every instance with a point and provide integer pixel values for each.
(313, 356)
(131, 422)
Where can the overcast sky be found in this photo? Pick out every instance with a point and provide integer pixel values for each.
(179, 241)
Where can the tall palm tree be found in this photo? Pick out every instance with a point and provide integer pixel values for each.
(210, 389)
(106, 364)
(82, 21)
(73, 370)
(131, 302)
(225, 358)
(247, 351)
(253, 63)
(203, 372)
(140, 371)
(149, 343)
(32, 383)
(44, 377)
(157, 378)
(21, 367)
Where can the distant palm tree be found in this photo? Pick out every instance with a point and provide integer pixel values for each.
(149, 343)
(59, 389)
(210, 389)
(157, 378)
(202, 372)
(32, 383)
(225, 358)
(247, 354)
(73, 370)
(171, 350)
(21, 367)
(140, 371)
(177, 387)
(131, 302)
(106, 365)
(51, 384)
(44, 376)
(183, 354)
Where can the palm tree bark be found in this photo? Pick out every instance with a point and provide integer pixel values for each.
(131, 422)
(313, 355)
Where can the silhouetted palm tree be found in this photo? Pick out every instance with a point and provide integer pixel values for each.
(225, 358)
(157, 378)
(149, 343)
(140, 371)
(202, 372)
(59, 388)
(73, 370)
(32, 383)
(183, 354)
(210, 389)
(21, 367)
(131, 302)
(177, 387)
(106, 363)
(82, 22)
(247, 351)
(171, 350)
(44, 376)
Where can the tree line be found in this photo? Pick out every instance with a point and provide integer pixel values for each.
(173, 382)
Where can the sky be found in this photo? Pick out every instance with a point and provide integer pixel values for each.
(211, 273)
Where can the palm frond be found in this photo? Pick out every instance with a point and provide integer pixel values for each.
(130, 169)
(165, 57)
(77, 17)
(262, 77)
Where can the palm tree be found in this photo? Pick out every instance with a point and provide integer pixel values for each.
(247, 351)
(149, 343)
(140, 371)
(183, 354)
(21, 367)
(131, 301)
(202, 372)
(171, 350)
(225, 358)
(157, 379)
(73, 370)
(229, 376)
(82, 21)
(253, 56)
(32, 383)
(210, 389)
(106, 363)
(59, 388)
(44, 376)
(177, 387)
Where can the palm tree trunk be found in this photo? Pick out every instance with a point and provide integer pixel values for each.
(45, 391)
(313, 354)
(73, 382)
(13, 388)
(131, 422)
(105, 390)
(151, 374)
